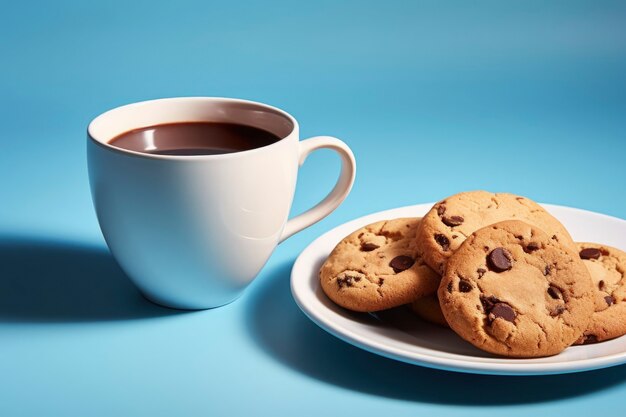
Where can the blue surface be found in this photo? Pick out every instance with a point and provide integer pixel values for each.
(433, 98)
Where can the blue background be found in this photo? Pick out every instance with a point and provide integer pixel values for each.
(433, 98)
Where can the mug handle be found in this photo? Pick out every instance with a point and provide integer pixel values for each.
(338, 193)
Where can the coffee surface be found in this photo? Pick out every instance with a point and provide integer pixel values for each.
(194, 138)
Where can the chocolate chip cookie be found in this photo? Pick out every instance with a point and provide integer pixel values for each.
(607, 267)
(452, 220)
(377, 267)
(428, 309)
(514, 290)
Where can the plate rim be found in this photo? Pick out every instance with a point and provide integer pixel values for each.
(515, 367)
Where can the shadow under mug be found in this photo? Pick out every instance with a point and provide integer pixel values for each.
(193, 231)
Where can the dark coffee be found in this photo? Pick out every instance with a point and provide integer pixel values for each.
(194, 138)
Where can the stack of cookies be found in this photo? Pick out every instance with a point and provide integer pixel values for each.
(497, 269)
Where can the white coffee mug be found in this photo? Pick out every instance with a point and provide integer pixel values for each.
(193, 231)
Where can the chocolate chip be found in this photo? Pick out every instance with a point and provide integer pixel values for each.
(488, 302)
(481, 272)
(609, 300)
(590, 338)
(452, 220)
(454, 236)
(601, 285)
(557, 310)
(590, 253)
(503, 311)
(499, 260)
(546, 271)
(401, 263)
(531, 247)
(368, 246)
(381, 281)
(555, 293)
(495, 308)
(441, 209)
(347, 281)
(465, 286)
(442, 241)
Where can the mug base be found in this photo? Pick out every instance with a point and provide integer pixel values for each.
(185, 307)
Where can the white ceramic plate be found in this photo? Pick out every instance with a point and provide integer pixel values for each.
(398, 334)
